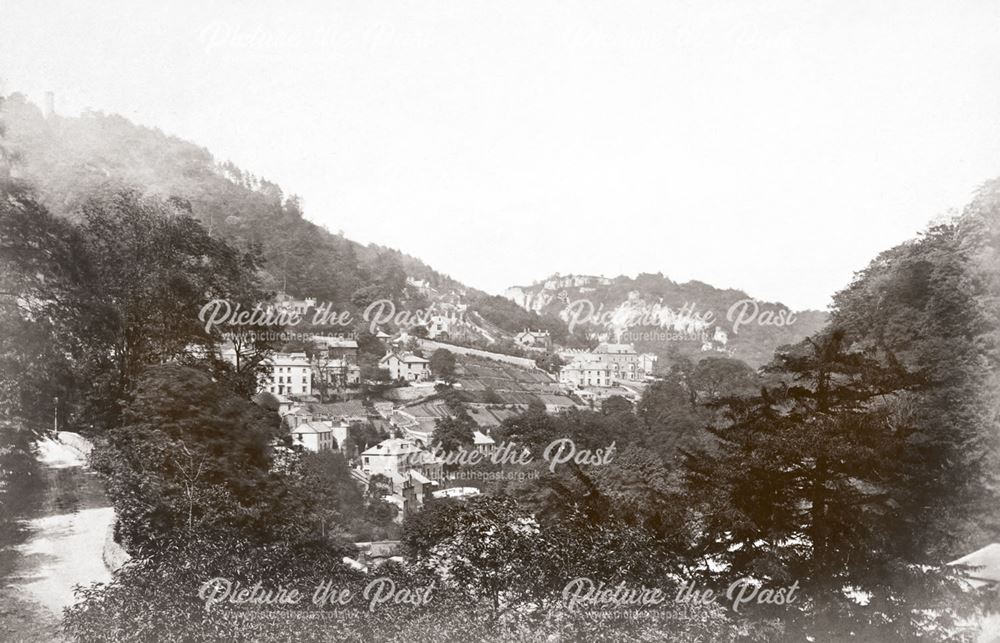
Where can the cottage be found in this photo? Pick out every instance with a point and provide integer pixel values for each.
(315, 436)
(534, 338)
(406, 366)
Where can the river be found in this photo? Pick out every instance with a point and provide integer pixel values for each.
(54, 518)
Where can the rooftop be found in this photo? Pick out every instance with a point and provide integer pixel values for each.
(316, 426)
(335, 342)
(393, 446)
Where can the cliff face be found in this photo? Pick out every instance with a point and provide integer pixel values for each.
(669, 319)
(537, 297)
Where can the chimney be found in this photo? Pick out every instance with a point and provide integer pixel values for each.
(50, 104)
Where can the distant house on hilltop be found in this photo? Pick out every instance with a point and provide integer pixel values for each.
(284, 301)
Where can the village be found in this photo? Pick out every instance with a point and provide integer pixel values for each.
(322, 397)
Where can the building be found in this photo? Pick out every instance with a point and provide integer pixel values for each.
(406, 366)
(557, 403)
(337, 373)
(534, 339)
(605, 365)
(346, 412)
(338, 348)
(284, 301)
(583, 372)
(289, 374)
(483, 443)
(717, 342)
(419, 286)
(396, 457)
(414, 487)
(455, 492)
(316, 436)
(625, 362)
(445, 318)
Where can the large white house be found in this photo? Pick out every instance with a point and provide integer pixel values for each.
(605, 365)
(289, 374)
(406, 366)
(583, 372)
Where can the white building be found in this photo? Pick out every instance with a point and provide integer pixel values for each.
(395, 457)
(406, 366)
(289, 374)
(605, 365)
(484, 443)
(317, 436)
(585, 372)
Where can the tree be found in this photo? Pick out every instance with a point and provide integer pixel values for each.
(670, 417)
(442, 363)
(932, 304)
(715, 377)
(550, 362)
(43, 266)
(453, 433)
(802, 486)
(122, 290)
(616, 404)
(190, 458)
(490, 552)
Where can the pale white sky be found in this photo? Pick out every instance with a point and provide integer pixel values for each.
(775, 147)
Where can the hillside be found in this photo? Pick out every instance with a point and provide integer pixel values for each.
(69, 160)
(667, 318)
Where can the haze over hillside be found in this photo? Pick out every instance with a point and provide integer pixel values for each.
(72, 159)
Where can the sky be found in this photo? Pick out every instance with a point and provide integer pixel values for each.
(775, 147)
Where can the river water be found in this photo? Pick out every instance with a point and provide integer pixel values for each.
(53, 523)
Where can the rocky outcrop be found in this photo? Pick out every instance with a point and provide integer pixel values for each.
(114, 555)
